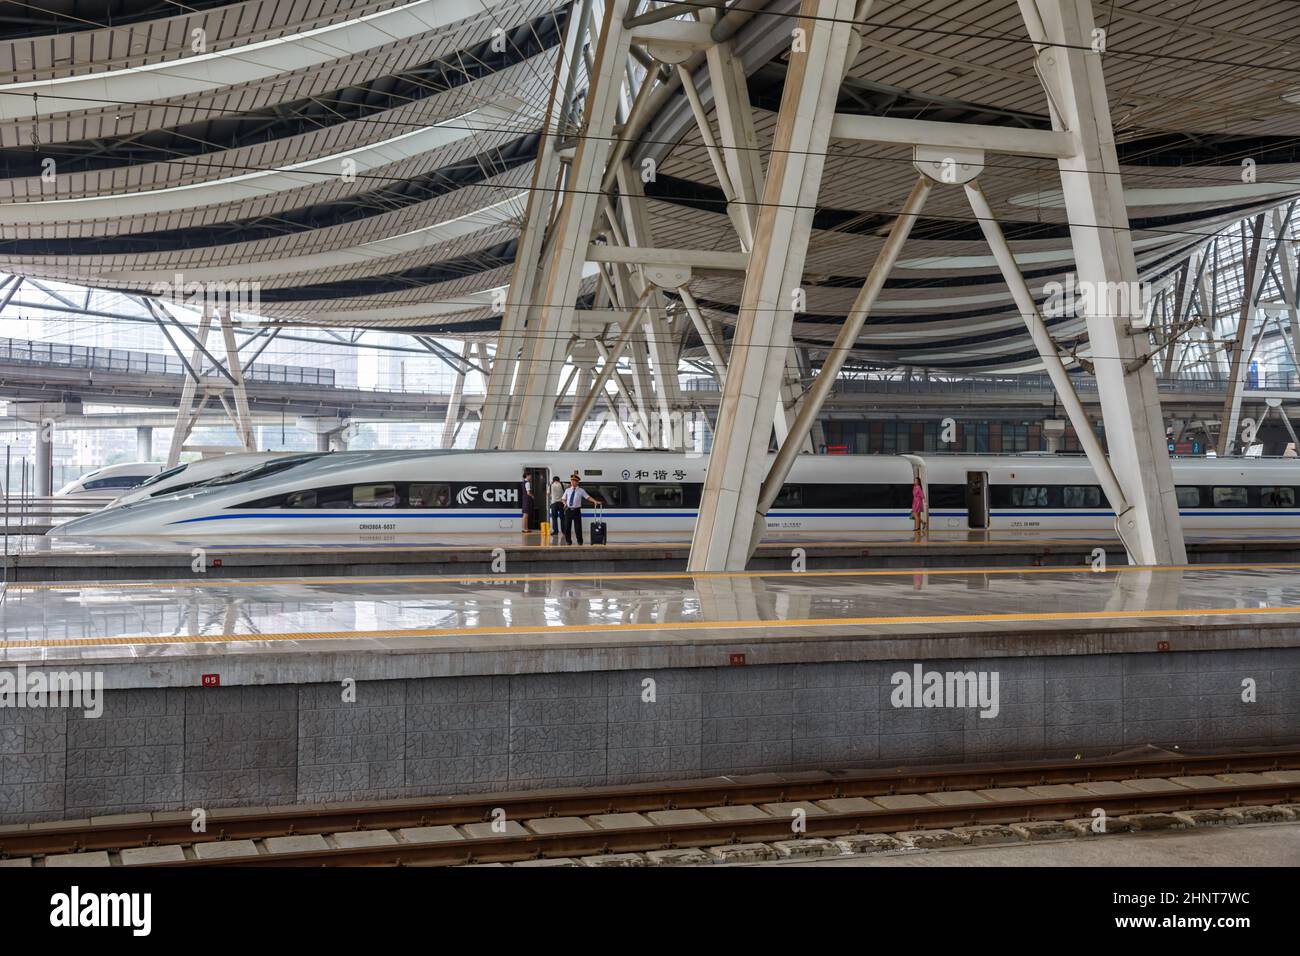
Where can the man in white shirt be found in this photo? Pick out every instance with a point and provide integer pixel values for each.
(557, 506)
(574, 496)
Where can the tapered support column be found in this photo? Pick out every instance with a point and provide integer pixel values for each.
(739, 459)
(1099, 229)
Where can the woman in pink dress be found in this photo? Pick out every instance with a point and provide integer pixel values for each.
(918, 505)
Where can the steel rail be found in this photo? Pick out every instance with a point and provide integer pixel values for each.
(766, 788)
(506, 848)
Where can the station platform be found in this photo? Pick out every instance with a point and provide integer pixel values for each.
(255, 693)
(41, 558)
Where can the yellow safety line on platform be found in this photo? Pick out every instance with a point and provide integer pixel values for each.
(1042, 616)
(626, 576)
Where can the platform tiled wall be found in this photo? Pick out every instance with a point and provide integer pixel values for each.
(250, 746)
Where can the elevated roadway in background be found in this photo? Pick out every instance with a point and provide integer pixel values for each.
(44, 371)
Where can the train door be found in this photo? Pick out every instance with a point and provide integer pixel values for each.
(977, 499)
(541, 481)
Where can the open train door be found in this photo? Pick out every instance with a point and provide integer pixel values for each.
(977, 499)
(541, 480)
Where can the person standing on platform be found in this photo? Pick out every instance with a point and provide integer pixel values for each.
(574, 496)
(557, 505)
(918, 506)
(526, 496)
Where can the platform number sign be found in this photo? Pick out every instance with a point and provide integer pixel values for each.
(211, 680)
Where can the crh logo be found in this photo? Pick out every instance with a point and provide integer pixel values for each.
(467, 495)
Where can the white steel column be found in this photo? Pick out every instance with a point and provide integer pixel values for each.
(706, 334)
(521, 301)
(186, 413)
(1250, 278)
(586, 401)
(1286, 272)
(450, 424)
(242, 418)
(661, 350)
(567, 246)
(1052, 363)
(784, 226)
(1094, 201)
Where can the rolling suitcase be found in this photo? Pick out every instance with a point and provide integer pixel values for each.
(597, 526)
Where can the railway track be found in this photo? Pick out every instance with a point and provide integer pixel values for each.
(531, 825)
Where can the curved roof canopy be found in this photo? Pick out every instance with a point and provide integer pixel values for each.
(366, 164)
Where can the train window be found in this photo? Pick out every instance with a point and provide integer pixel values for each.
(426, 495)
(300, 499)
(790, 496)
(263, 470)
(660, 496)
(184, 486)
(374, 496)
(120, 481)
(857, 496)
(1188, 496)
(339, 496)
(1029, 496)
(1081, 496)
(164, 475)
(1234, 497)
(1272, 497)
(610, 495)
(947, 496)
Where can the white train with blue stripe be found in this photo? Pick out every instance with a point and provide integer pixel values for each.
(365, 492)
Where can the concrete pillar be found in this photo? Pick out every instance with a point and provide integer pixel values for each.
(144, 443)
(44, 459)
(332, 434)
(1053, 432)
(42, 416)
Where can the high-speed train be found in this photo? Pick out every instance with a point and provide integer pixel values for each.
(422, 491)
(189, 474)
(110, 480)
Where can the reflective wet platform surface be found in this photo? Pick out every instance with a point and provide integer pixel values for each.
(505, 613)
(40, 558)
(151, 544)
